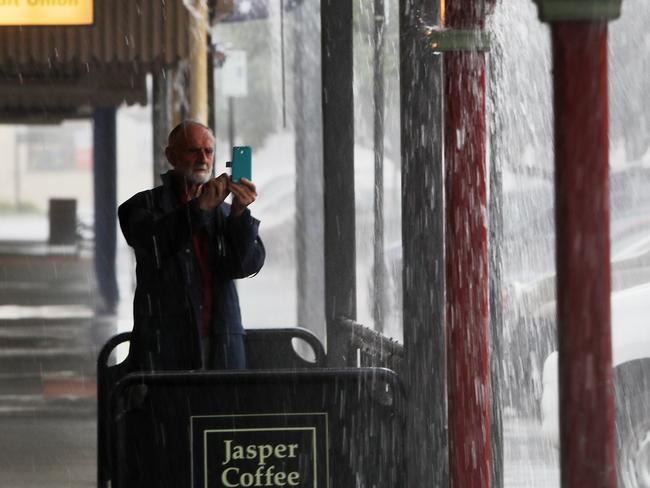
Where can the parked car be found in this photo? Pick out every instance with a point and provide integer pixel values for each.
(529, 335)
(631, 360)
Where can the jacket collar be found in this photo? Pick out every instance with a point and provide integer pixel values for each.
(169, 199)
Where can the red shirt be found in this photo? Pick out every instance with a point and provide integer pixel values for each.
(201, 246)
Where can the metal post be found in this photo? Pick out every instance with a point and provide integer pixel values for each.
(309, 168)
(587, 412)
(199, 61)
(338, 168)
(161, 118)
(212, 122)
(104, 182)
(470, 453)
(423, 246)
(379, 266)
(231, 121)
(18, 156)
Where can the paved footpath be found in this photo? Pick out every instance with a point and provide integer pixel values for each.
(49, 339)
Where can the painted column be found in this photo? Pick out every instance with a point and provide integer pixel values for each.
(587, 415)
(423, 274)
(308, 127)
(338, 173)
(468, 365)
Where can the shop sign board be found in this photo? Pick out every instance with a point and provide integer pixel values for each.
(260, 450)
(309, 428)
(46, 12)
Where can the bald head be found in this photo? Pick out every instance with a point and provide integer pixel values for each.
(190, 150)
(181, 129)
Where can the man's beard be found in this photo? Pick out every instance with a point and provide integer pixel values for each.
(195, 178)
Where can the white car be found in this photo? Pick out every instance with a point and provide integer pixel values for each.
(631, 361)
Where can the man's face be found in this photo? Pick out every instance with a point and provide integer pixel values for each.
(191, 153)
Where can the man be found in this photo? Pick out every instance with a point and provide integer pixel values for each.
(190, 245)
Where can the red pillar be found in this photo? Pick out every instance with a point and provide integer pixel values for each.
(587, 433)
(468, 372)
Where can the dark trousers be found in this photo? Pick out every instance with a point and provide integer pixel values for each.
(224, 351)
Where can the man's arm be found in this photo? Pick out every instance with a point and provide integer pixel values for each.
(243, 194)
(247, 252)
(159, 234)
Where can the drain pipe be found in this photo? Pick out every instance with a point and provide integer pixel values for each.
(464, 42)
(587, 431)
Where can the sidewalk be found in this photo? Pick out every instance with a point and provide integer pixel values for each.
(49, 340)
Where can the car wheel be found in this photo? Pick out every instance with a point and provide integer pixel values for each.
(632, 382)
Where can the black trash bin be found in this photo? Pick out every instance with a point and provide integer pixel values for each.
(319, 428)
(63, 221)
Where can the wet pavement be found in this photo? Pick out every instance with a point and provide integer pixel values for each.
(530, 460)
(49, 340)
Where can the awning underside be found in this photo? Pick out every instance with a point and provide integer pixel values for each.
(67, 68)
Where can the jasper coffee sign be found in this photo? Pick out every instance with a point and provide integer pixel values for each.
(271, 450)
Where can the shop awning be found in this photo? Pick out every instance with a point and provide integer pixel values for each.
(101, 64)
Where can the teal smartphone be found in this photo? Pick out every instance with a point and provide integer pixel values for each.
(242, 164)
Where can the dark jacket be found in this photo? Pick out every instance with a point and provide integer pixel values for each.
(168, 297)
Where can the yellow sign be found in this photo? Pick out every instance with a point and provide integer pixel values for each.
(46, 12)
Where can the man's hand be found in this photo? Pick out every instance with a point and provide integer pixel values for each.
(244, 193)
(214, 192)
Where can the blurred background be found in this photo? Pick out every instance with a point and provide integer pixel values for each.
(265, 74)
